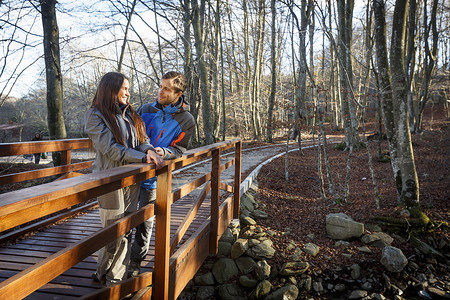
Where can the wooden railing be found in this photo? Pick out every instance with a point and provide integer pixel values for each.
(174, 264)
(63, 146)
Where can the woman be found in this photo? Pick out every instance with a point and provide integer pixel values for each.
(118, 136)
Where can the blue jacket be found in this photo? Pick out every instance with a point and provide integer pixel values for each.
(167, 127)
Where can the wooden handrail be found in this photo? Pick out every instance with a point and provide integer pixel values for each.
(16, 205)
(63, 146)
(10, 149)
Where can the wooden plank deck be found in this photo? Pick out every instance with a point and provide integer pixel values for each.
(77, 281)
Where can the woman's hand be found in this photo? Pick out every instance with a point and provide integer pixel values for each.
(153, 157)
(159, 151)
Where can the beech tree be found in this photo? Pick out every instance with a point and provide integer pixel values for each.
(394, 96)
(55, 113)
(345, 13)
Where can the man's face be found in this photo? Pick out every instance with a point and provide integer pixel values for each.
(167, 94)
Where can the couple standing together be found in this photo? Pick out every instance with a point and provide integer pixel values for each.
(120, 135)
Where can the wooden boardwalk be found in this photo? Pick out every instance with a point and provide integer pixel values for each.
(58, 262)
(77, 281)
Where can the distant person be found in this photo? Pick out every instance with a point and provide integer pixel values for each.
(169, 125)
(118, 136)
(37, 156)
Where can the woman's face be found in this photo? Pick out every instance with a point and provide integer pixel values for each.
(124, 92)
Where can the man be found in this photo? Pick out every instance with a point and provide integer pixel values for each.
(169, 125)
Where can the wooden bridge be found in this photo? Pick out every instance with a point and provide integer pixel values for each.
(57, 262)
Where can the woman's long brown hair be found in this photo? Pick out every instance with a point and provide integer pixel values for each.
(106, 99)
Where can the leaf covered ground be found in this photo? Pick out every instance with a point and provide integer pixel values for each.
(297, 209)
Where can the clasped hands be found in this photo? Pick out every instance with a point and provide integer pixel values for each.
(155, 157)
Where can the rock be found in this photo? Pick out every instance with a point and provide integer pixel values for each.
(262, 270)
(224, 269)
(231, 291)
(289, 292)
(205, 279)
(393, 259)
(341, 243)
(247, 234)
(235, 223)
(262, 290)
(262, 251)
(356, 271)
(248, 221)
(427, 249)
(357, 294)
(271, 232)
(227, 236)
(296, 256)
(377, 239)
(311, 249)
(378, 296)
(294, 268)
(365, 249)
(308, 283)
(253, 242)
(205, 292)
(340, 287)
(366, 286)
(247, 282)
(247, 202)
(239, 248)
(317, 286)
(259, 214)
(440, 294)
(290, 246)
(396, 290)
(260, 235)
(292, 280)
(245, 264)
(224, 249)
(342, 227)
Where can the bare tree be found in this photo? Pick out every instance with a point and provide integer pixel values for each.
(345, 13)
(395, 88)
(202, 68)
(55, 117)
(273, 86)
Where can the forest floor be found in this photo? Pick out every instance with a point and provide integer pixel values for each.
(297, 207)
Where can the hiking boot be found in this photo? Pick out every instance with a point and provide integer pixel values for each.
(134, 269)
(96, 278)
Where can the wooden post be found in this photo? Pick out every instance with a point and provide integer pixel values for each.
(215, 193)
(237, 180)
(66, 157)
(162, 233)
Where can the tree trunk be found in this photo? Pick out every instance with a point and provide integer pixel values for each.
(273, 71)
(429, 63)
(125, 37)
(410, 184)
(385, 88)
(55, 117)
(188, 69)
(203, 72)
(345, 13)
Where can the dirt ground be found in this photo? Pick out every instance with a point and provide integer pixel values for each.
(296, 205)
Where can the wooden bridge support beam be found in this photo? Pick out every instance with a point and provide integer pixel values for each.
(162, 233)
(237, 180)
(215, 195)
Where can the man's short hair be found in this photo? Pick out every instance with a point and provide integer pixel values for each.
(179, 80)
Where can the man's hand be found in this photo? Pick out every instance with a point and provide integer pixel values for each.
(153, 157)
